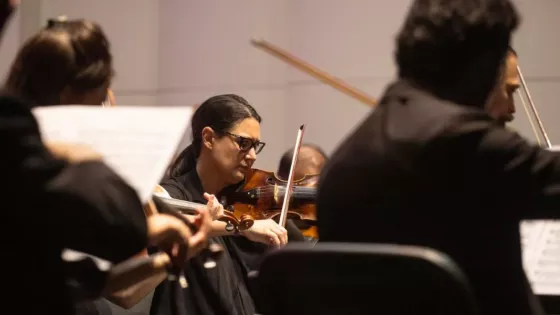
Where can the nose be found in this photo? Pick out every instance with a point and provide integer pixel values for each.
(251, 155)
(512, 106)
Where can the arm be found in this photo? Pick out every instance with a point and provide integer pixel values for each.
(107, 218)
(263, 231)
(128, 288)
(218, 228)
(86, 206)
(522, 178)
(144, 283)
(129, 297)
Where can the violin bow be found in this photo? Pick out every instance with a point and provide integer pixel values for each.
(533, 109)
(315, 72)
(290, 182)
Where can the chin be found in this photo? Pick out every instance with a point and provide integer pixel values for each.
(238, 176)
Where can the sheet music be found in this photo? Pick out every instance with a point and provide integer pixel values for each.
(137, 142)
(541, 255)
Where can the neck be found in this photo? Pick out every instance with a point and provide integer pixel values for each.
(458, 94)
(208, 177)
(470, 85)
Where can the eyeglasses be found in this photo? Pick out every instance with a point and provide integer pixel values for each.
(245, 144)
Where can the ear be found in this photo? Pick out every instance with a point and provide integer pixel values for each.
(208, 136)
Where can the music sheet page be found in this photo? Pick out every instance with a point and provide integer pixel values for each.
(137, 142)
(541, 255)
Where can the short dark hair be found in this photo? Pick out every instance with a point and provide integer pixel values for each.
(66, 53)
(221, 113)
(441, 40)
(286, 160)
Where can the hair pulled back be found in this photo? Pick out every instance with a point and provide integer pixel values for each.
(221, 113)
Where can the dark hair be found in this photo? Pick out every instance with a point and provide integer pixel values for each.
(221, 113)
(286, 160)
(66, 53)
(449, 44)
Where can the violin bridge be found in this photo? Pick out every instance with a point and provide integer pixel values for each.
(276, 193)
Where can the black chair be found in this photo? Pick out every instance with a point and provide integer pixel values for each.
(348, 279)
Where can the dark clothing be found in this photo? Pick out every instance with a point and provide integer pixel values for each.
(229, 278)
(50, 205)
(422, 171)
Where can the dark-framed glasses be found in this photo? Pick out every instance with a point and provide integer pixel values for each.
(245, 144)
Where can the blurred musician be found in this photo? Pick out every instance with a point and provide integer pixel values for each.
(501, 104)
(311, 160)
(430, 167)
(82, 205)
(67, 62)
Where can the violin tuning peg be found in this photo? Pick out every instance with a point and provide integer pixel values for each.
(230, 227)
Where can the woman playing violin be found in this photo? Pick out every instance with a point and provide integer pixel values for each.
(69, 62)
(225, 144)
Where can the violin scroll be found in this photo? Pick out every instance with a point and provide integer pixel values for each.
(243, 223)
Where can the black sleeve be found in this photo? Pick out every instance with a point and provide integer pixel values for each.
(105, 215)
(173, 188)
(294, 234)
(522, 176)
(86, 206)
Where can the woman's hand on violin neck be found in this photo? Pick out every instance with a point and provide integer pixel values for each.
(214, 207)
(267, 232)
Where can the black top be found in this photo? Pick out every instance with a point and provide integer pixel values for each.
(422, 171)
(50, 205)
(229, 278)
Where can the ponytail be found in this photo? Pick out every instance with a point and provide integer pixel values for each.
(184, 163)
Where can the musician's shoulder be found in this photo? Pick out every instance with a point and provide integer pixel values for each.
(177, 187)
(160, 191)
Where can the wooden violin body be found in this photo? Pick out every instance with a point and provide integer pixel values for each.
(260, 198)
(262, 195)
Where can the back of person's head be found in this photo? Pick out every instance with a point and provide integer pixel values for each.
(304, 158)
(221, 113)
(62, 63)
(455, 48)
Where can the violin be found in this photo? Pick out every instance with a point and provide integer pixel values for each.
(240, 223)
(261, 197)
